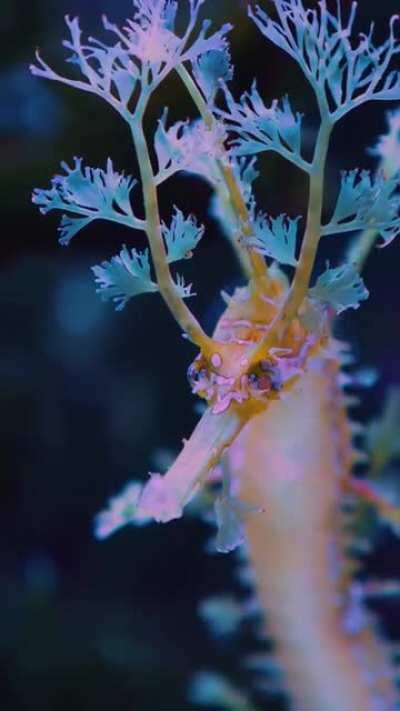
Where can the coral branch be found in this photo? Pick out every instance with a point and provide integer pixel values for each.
(301, 280)
(167, 287)
(254, 264)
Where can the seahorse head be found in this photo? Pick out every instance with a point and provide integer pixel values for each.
(231, 375)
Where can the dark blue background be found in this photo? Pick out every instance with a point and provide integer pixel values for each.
(91, 398)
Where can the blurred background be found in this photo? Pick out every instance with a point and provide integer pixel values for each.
(91, 398)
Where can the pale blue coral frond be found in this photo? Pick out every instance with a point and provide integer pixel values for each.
(126, 275)
(182, 236)
(203, 44)
(230, 525)
(230, 513)
(121, 511)
(367, 201)
(259, 128)
(146, 50)
(382, 436)
(275, 237)
(88, 194)
(209, 688)
(169, 143)
(184, 290)
(341, 288)
(108, 69)
(188, 146)
(246, 173)
(150, 12)
(212, 68)
(266, 664)
(345, 69)
(70, 226)
(388, 146)
(224, 614)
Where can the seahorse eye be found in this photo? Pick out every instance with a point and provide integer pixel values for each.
(260, 381)
(266, 366)
(192, 374)
(264, 383)
(253, 379)
(270, 376)
(196, 373)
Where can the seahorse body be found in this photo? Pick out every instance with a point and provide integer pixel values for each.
(283, 426)
(292, 459)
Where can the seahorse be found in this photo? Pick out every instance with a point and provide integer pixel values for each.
(293, 457)
(295, 460)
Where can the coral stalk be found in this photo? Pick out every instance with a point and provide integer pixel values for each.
(309, 248)
(178, 308)
(253, 264)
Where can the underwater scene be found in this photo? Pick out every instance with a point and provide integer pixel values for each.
(200, 379)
